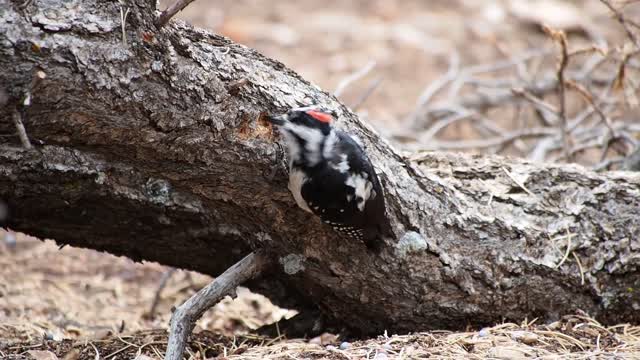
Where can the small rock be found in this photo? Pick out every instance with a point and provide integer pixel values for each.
(52, 336)
(324, 339)
(345, 345)
(381, 356)
(101, 334)
(529, 338)
(525, 337)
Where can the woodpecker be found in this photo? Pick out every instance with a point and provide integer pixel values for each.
(331, 176)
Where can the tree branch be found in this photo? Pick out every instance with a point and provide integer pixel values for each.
(186, 315)
(624, 22)
(22, 132)
(171, 11)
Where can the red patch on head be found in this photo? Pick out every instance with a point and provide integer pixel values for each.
(320, 116)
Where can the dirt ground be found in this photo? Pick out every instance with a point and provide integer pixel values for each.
(80, 304)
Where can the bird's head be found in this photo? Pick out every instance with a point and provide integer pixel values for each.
(303, 119)
(308, 133)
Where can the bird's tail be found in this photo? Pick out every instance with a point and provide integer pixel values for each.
(374, 237)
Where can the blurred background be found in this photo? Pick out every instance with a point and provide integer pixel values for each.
(428, 74)
(460, 75)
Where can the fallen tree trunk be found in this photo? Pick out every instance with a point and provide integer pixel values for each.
(149, 143)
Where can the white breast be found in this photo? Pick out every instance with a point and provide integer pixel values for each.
(296, 180)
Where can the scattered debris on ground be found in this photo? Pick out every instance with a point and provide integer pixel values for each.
(573, 337)
(72, 304)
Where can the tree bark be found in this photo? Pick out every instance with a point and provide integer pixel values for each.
(154, 148)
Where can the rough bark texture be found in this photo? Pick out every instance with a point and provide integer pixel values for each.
(154, 148)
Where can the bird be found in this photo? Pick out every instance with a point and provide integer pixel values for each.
(331, 176)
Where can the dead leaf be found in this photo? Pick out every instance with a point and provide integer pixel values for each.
(525, 337)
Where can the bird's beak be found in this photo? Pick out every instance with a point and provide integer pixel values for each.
(277, 119)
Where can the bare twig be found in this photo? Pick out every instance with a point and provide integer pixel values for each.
(36, 81)
(503, 94)
(434, 87)
(22, 132)
(95, 349)
(25, 4)
(567, 252)
(582, 116)
(542, 148)
(183, 319)
(595, 137)
(457, 78)
(443, 123)
(342, 86)
(484, 101)
(541, 104)
(589, 98)
(564, 134)
(623, 21)
(491, 142)
(607, 163)
(119, 351)
(123, 22)
(370, 89)
(519, 183)
(632, 161)
(561, 38)
(579, 267)
(173, 9)
(156, 298)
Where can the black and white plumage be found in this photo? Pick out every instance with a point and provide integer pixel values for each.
(331, 177)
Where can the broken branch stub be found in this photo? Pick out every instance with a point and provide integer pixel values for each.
(185, 316)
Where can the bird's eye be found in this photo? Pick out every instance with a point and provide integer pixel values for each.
(320, 116)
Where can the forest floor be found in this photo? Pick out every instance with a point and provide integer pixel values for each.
(79, 304)
(74, 303)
